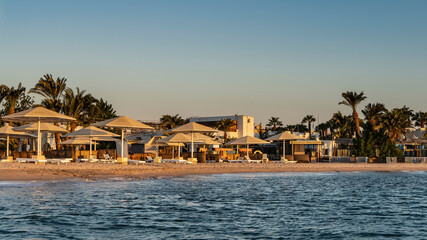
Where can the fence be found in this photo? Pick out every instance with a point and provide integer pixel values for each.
(415, 159)
(391, 159)
(362, 159)
(340, 159)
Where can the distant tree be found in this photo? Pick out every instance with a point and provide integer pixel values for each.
(308, 119)
(352, 99)
(296, 128)
(341, 125)
(78, 105)
(225, 125)
(373, 113)
(170, 121)
(396, 121)
(420, 119)
(262, 132)
(322, 128)
(11, 96)
(274, 123)
(372, 141)
(103, 111)
(52, 92)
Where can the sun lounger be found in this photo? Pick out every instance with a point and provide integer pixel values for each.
(60, 160)
(94, 160)
(176, 161)
(108, 159)
(136, 162)
(82, 160)
(149, 159)
(31, 160)
(284, 160)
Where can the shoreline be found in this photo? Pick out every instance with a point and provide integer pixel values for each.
(97, 171)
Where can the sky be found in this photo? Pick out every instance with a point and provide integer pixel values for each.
(207, 58)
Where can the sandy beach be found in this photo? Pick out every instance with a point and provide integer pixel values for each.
(94, 171)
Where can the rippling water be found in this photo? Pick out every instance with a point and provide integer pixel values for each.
(238, 206)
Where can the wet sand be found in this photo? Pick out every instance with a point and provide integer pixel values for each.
(94, 171)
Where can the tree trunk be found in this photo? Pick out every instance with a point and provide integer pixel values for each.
(11, 109)
(356, 121)
(57, 138)
(309, 130)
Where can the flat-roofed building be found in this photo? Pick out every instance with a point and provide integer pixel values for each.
(244, 124)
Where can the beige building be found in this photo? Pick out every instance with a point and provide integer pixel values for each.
(244, 125)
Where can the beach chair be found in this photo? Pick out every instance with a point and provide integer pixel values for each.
(265, 158)
(149, 159)
(284, 160)
(82, 160)
(94, 160)
(107, 159)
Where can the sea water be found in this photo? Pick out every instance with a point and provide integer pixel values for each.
(228, 206)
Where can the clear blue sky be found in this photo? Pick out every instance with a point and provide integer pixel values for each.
(204, 58)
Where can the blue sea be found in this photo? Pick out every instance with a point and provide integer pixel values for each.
(358, 205)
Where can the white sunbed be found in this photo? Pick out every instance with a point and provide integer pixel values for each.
(136, 162)
(31, 160)
(284, 160)
(108, 159)
(176, 161)
(60, 160)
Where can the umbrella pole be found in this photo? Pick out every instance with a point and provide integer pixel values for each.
(157, 150)
(173, 152)
(123, 133)
(7, 146)
(179, 151)
(90, 148)
(94, 142)
(39, 144)
(284, 145)
(192, 145)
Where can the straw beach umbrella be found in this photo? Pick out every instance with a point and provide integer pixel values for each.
(283, 137)
(44, 127)
(90, 133)
(176, 139)
(246, 141)
(7, 132)
(122, 123)
(193, 128)
(38, 115)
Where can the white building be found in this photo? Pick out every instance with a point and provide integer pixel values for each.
(244, 125)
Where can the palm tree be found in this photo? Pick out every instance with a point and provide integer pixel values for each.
(341, 125)
(103, 111)
(225, 125)
(274, 123)
(169, 121)
(373, 113)
(52, 91)
(308, 119)
(12, 96)
(322, 128)
(352, 99)
(78, 105)
(396, 121)
(420, 119)
(262, 132)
